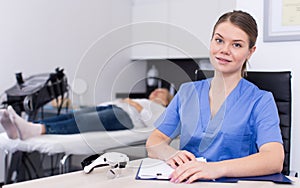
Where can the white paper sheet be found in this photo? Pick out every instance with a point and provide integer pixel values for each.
(157, 169)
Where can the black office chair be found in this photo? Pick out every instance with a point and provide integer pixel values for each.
(279, 83)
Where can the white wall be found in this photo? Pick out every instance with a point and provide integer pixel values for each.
(36, 36)
(278, 56)
(39, 35)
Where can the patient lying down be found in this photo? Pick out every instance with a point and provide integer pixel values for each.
(116, 115)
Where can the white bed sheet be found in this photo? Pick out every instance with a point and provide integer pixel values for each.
(76, 144)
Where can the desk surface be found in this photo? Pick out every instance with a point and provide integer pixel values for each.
(98, 178)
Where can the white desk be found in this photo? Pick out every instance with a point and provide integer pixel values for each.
(98, 178)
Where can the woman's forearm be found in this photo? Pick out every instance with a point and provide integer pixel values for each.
(158, 146)
(268, 161)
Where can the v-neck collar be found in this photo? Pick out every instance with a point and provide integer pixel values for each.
(229, 98)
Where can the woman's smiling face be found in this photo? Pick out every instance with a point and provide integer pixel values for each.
(229, 48)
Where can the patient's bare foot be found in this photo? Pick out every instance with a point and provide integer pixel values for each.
(9, 127)
(25, 129)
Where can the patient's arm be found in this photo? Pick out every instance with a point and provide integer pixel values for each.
(158, 147)
(136, 105)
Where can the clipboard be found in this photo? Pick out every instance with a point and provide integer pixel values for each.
(154, 169)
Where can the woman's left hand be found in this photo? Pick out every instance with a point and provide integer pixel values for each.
(193, 170)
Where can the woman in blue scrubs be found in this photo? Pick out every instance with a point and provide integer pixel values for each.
(225, 119)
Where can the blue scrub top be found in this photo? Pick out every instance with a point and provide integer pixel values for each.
(247, 119)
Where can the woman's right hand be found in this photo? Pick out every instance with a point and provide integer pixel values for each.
(158, 147)
(180, 157)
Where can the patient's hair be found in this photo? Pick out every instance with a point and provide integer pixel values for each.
(169, 98)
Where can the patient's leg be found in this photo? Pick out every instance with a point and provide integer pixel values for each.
(9, 127)
(55, 119)
(26, 129)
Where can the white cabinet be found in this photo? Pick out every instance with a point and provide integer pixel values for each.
(184, 31)
(149, 29)
(192, 19)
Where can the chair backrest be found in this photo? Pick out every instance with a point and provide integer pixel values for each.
(279, 83)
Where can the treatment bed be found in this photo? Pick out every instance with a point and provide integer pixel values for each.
(74, 144)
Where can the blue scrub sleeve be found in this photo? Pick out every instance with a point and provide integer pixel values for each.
(267, 121)
(169, 122)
